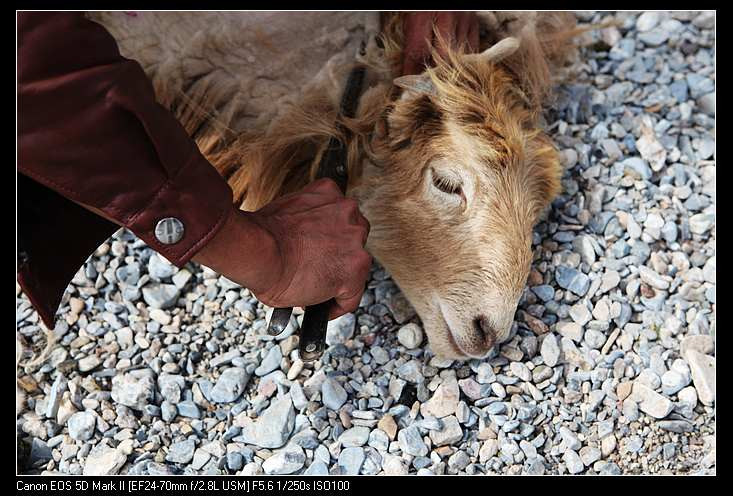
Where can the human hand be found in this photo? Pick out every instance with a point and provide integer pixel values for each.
(456, 28)
(301, 249)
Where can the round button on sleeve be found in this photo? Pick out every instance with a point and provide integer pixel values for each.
(169, 230)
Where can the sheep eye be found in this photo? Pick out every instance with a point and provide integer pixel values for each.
(446, 185)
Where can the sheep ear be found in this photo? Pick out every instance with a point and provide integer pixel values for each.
(421, 84)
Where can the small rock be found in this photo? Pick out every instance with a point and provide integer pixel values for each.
(388, 425)
(134, 389)
(451, 432)
(570, 330)
(411, 442)
(678, 426)
(333, 394)
(285, 461)
(229, 386)
(270, 362)
(341, 329)
(589, 455)
(573, 462)
(82, 425)
(159, 268)
(572, 280)
(410, 336)
(356, 436)
(181, 452)
(89, 363)
(273, 427)
(647, 21)
(702, 368)
(701, 223)
(401, 309)
(571, 440)
(444, 401)
(549, 350)
(161, 295)
(351, 459)
(104, 461)
(651, 402)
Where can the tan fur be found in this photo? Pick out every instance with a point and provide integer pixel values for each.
(461, 261)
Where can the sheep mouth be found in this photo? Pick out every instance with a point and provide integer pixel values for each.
(454, 343)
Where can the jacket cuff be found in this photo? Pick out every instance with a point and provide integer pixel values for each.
(198, 198)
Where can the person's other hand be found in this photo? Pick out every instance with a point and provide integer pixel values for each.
(301, 249)
(459, 29)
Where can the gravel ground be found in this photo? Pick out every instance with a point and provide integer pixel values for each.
(610, 368)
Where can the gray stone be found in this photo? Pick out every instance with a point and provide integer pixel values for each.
(89, 363)
(595, 339)
(341, 329)
(678, 426)
(544, 292)
(224, 358)
(411, 442)
(411, 372)
(285, 461)
(351, 459)
(444, 400)
(573, 462)
(270, 362)
(171, 387)
(450, 434)
(589, 455)
(701, 223)
(159, 268)
(655, 37)
(161, 295)
(104, 460)
(647, 21)
(333, 394)
(81, 426)
(181, 452)
(188, 409)
(229, 386)
(632, 444)
(702, 368)
(134, 389)
(571, 440)
(168, 411)
(316, 468)
(54, 396)
(673, 381)
(650, 402)
(356, 436)
(570, 330)
(580, 314)
(273, 427)
(235, 461)
(572, 280)
(401, 309)
(458, 461)
(410, 336)
(637, 168)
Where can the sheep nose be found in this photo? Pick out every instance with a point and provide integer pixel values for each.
(483, 328)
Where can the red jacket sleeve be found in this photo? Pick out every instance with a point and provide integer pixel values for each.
(90, 130)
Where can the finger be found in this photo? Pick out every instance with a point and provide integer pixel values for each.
(473, 34)
(349, 207)
(445, 24)
(463, 28)
(418, 29)
(342, 306)
(326, 188)
(363, 223)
